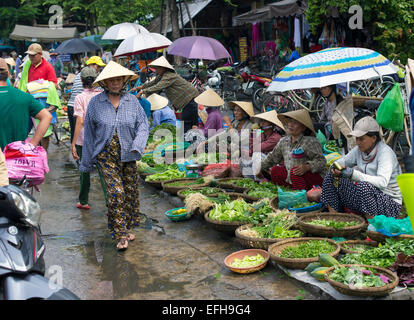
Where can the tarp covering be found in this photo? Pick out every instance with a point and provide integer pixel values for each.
(194, 7)
(42, 34)
(282, 8)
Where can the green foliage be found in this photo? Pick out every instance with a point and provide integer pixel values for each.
(389, 22)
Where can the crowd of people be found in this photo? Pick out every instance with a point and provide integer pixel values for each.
(110, 128)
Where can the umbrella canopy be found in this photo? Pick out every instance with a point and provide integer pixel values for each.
(331, 66)
(97, 38)
(198, 47)
(76, 45)
(123, 31)
(141, 43)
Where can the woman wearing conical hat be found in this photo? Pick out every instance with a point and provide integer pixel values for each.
(211, 100)
(115, 135)
(179, 91)
(297, 161)
(243, 112)
(160, 111)
(261, 145)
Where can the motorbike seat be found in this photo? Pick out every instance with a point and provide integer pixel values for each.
(372, 104)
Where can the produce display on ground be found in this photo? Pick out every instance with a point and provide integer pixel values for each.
(358, 248)
(166, 175)
(152, 144)
(358, 277)
(304, 205)
(263, 190)
(332, 223)
(248, 261)
(179, 211)
(308, 249)
(204, 191)
(186, 183)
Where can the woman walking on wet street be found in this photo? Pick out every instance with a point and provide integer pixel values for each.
(115, 134)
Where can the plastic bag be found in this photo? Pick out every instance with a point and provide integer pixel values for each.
(291, 198)
(391, 227)
(218, 170)
(390, 114)
(22, 159)
(331, 158)
(321, 137)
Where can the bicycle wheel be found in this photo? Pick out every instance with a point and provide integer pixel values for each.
(318, 106)
(279, 102)
(257, 98)
(357, 88)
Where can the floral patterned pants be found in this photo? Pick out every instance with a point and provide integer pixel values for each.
(121, 180)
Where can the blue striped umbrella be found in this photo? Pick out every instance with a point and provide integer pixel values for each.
(332, 66)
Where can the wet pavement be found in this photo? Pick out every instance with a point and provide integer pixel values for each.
(167, 260)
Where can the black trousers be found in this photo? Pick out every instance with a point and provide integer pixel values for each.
(190, 115)
(72, 122)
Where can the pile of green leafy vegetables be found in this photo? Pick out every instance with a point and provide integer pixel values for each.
(206, 191)
(186, 183)
(166, 175)
(332, 223)
(358, 277)
(382, 256)
(263, 190)
(164, 139)
(307, 249)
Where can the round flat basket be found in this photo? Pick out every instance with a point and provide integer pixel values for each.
(252, 242)
(143, 175)
(364, 292)
(349, 243)
(276, 249)
(182, 197)
(241, 254)
(228, 227)
(156, 184)
(225, 184)
(380, 237)
(329, 231)
(314, 208)
(174, 189)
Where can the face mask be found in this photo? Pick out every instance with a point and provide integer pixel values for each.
(267, 127)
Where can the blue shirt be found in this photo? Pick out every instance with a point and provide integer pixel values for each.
(101, 121)
(164, 115)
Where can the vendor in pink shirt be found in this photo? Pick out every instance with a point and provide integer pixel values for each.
(88, 76)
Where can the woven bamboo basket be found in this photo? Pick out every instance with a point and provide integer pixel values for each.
(342, 244)
(364, 292)
(237, 195)
(328, 231)
(144, 175)
(274, 204)
(378, 236)
(157, 184)
(359, 101)
(182, 197)
(223, 183)
(276, 249)
(228, 227)
(254, 243)
(174, 189)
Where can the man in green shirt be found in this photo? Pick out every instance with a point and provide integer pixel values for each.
(15, 109)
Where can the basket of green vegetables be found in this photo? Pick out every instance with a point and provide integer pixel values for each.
(299, 252)
(170, 174)
(207, 191)
(361, 280)
(332, 224)
(277, 227)
(238, 184)
(262, 191)
(175, 185)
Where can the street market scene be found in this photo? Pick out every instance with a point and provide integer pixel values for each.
(211, 150)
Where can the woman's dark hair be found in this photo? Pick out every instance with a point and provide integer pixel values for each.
(4, 76)
(308, 132)
(374, 134)
(87, 82)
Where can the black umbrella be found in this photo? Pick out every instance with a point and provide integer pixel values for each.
(77, 45)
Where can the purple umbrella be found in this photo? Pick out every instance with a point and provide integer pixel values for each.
(198, 47)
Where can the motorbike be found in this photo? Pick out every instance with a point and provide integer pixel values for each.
(22, 266)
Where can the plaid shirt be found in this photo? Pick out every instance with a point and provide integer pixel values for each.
(178, 90)
(283, 152)
(101, 122)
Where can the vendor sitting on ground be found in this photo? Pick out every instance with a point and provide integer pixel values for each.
(367, 182)
(211, 100)
(243, 112)
(297, 160)
(160, 111)
(261, 145)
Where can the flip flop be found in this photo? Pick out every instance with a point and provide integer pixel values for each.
(83, 206)
(122, 244)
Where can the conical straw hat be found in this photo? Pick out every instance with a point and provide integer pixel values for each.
(271, 116)
(299, 115)
(209, 98)
(157, 101)
(161, 62)
(246, 106)
(113, 70)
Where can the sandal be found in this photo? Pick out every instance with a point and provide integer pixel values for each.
(122, 244)
(130, 237)
(83, 206)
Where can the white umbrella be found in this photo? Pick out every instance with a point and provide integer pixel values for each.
(123, 30)
(142, 43)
